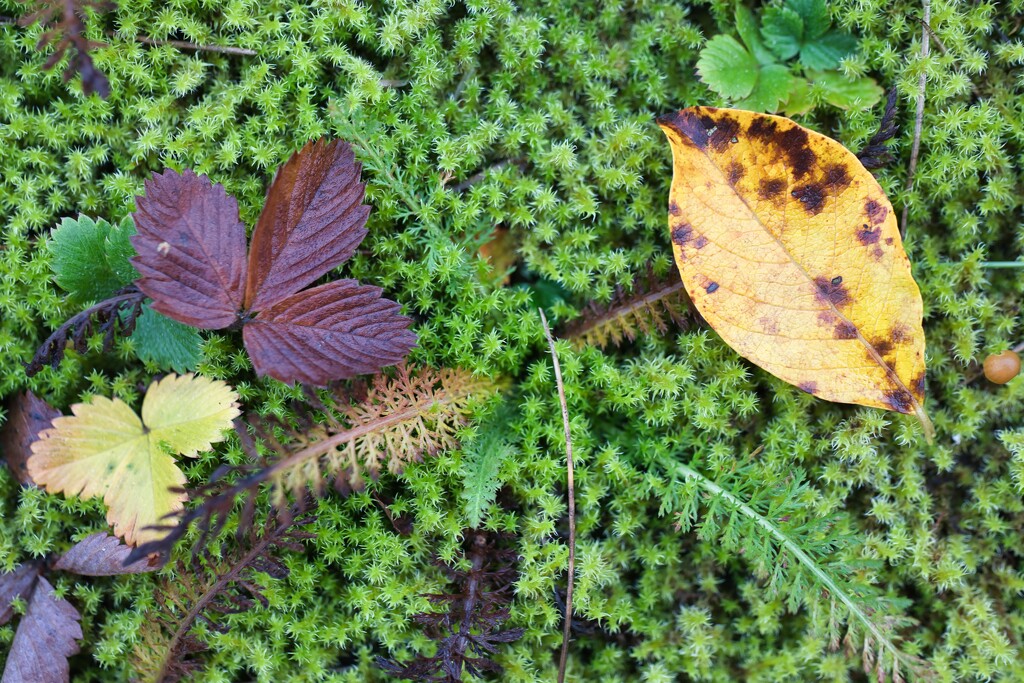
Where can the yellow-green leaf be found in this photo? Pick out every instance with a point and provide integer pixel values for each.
(104, 449)
(789, 249)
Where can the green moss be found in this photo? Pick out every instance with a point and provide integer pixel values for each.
(537, 117)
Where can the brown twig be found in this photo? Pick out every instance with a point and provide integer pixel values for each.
(572, 501)
(919, 114)
(477, 177)
(185, 45)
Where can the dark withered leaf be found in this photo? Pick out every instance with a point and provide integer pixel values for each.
(101, 555)
(17, 584)
(191, 249)
(312, 222)
(47, 635)
(28, 415)
(330, 332)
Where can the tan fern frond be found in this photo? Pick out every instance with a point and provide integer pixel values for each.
(401, 419)
(647, 308)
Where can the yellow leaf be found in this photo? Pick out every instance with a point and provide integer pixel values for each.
(104, 449)
(789, 249)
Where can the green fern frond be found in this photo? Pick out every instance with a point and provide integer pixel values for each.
(799, 556)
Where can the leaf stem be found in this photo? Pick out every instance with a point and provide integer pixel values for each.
(919, 113)
(570, 484)
(1002, 264)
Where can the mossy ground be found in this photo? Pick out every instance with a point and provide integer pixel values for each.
(563, 96)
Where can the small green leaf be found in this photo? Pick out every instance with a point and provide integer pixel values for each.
(119, 250)
(727, 68)
(783, 31)
(845, 92)
(89, 260)
(814, 15)
(166, 343)
(774, 83)
(746, 26)
(826, 52)
(799, 101)
(483, 458)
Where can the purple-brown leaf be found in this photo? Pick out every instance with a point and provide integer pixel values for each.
(334, 331)
(191, 249)
(28, 416)
(101, 555)
(312, 222)
(17, 584)
(45, 638)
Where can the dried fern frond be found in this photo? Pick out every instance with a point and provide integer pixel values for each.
(647, 308)
(203, 588)
(336, 441)
(67, 32)
(469, 629)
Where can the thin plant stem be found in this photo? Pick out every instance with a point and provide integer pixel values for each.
(570, 484)
(1002, 264)
(185, 45)
(919, 114)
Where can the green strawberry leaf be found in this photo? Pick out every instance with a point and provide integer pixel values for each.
(774, 83)
(119, 250)
(727, 68)
(166, 343)
(746, 26)
(845, 92)
(826, 52)
(89, 258)
(815, 17)
(799, 101)
(783, 31)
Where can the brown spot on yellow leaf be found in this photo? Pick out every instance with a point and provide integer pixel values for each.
(809, 387)
(812, 197)
(844, 329)
(736, 172)
(868, 235)
(876, 211)
(832, 291)
(770, 189)
(682, 233)
(784, 214)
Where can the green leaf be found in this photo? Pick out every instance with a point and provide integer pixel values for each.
(90, 258)
(774, 84)
(119, 249)
(826, 52)
(799, 101)
(166, 343)
(483, 458)
(783, 31)
(845, 92)
(746, 26)
(727, 68)
(815, 17)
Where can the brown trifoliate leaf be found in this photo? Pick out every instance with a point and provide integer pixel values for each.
(334, 330)
(47, 635)
(101, 555)
(104, 449)
(28, 416)
(789, 249)
(17, 584)
(312, 222)
(191, 249)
